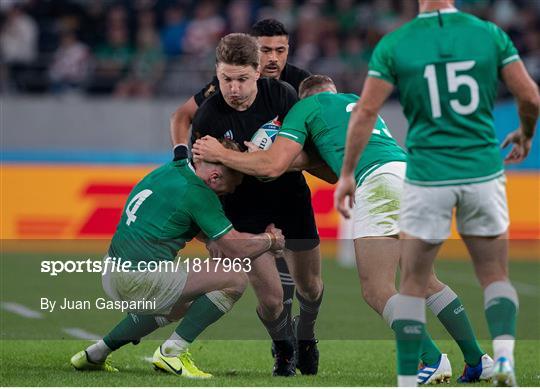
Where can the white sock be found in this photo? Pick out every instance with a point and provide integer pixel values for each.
(174, 346)
(406, 380)
(388, 310)
(440, 300)
(98, 352)
(503, 346)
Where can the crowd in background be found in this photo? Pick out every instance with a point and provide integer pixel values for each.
(144, 48)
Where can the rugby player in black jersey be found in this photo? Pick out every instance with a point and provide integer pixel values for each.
(273, 39)
(244, 104)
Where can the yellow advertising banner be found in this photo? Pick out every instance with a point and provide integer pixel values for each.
(86, 201)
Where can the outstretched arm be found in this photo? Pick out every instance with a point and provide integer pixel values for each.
(265, 163)
(237, 244)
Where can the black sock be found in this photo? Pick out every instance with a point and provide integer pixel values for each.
(308, 315)
(280, 328)
(287, 283)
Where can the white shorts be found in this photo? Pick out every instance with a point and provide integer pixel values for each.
(162, 287)
(481, 210)
(377, 202)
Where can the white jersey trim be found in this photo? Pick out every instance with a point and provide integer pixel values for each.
(287, 134)
(222, 231)
(443, 11)
(367, 172)
(514, 57)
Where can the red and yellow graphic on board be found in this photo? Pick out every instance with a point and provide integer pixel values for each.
(85, 202)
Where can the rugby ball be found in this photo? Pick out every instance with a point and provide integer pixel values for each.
(264, 137)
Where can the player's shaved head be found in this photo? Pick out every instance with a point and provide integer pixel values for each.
(218, 177)
(314, 84)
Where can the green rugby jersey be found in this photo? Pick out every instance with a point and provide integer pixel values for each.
(166, 209)
(446, 65)
(323, 119)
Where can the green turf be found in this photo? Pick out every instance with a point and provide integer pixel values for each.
(233, 363)
(356, 346)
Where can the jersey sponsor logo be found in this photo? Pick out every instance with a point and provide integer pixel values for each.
(229, 135)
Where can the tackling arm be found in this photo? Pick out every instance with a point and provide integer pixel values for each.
(239, 244)
(314, 165)
(265, 163)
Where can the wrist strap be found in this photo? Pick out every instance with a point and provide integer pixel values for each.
(181, 151)
(271, 239)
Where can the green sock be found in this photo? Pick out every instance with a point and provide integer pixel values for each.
(455, 320)
(200, 315)
(410, 335)
(430, 353)
(131, 329)
(501, 315)
(448, 308)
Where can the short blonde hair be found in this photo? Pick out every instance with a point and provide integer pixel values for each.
(314, 84)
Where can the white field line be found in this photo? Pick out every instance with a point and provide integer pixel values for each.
(522, 288)
(81, 334)
(21, 310)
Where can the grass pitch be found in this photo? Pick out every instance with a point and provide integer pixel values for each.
(356, 347)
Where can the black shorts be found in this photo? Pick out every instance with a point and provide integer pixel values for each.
(291, 211)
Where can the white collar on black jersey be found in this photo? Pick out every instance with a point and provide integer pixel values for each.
(435, 13)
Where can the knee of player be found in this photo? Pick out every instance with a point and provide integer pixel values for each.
(272, 303)
(434, 285)
(311, 289)
(239, 285)
(369, 291)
